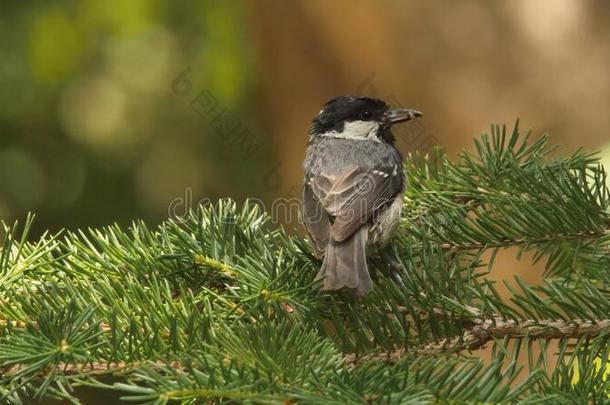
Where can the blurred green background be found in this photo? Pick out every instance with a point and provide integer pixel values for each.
(94, 127)
(115, 110)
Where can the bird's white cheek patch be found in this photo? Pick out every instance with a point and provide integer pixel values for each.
(360, 129)
(356, 130)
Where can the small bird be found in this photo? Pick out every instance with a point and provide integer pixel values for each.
(353, 186)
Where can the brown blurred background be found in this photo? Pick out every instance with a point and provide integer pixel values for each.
(115, 110)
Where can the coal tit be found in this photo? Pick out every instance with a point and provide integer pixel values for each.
(353, 186)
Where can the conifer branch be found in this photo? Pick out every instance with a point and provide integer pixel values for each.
(221, 305)
(482, 332)
(475, 337)
(525, 241)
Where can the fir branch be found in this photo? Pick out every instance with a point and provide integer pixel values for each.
(476, 336)
(221, 305)
(81, 368)
(481, 332)
(582, 235)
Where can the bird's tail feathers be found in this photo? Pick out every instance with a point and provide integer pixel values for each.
(345, 264)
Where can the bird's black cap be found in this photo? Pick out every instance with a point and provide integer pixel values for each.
(347, 108)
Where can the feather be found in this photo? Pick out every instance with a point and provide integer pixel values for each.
(345, 264)
(352, 198)
(316, 221)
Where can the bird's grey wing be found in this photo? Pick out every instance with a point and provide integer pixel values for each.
(354, 197)
(315, 215)
(316, 220)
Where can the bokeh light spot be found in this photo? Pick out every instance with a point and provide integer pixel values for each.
(121, 18)
(55, 46)
(143, 64)
(93, 112)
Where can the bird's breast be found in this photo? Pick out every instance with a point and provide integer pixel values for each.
(385, 223)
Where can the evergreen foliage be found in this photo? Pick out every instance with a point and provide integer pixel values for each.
(222, 306)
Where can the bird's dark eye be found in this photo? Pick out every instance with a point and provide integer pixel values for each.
(366, 114)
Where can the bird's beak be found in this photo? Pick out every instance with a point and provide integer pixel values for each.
(399, 115)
